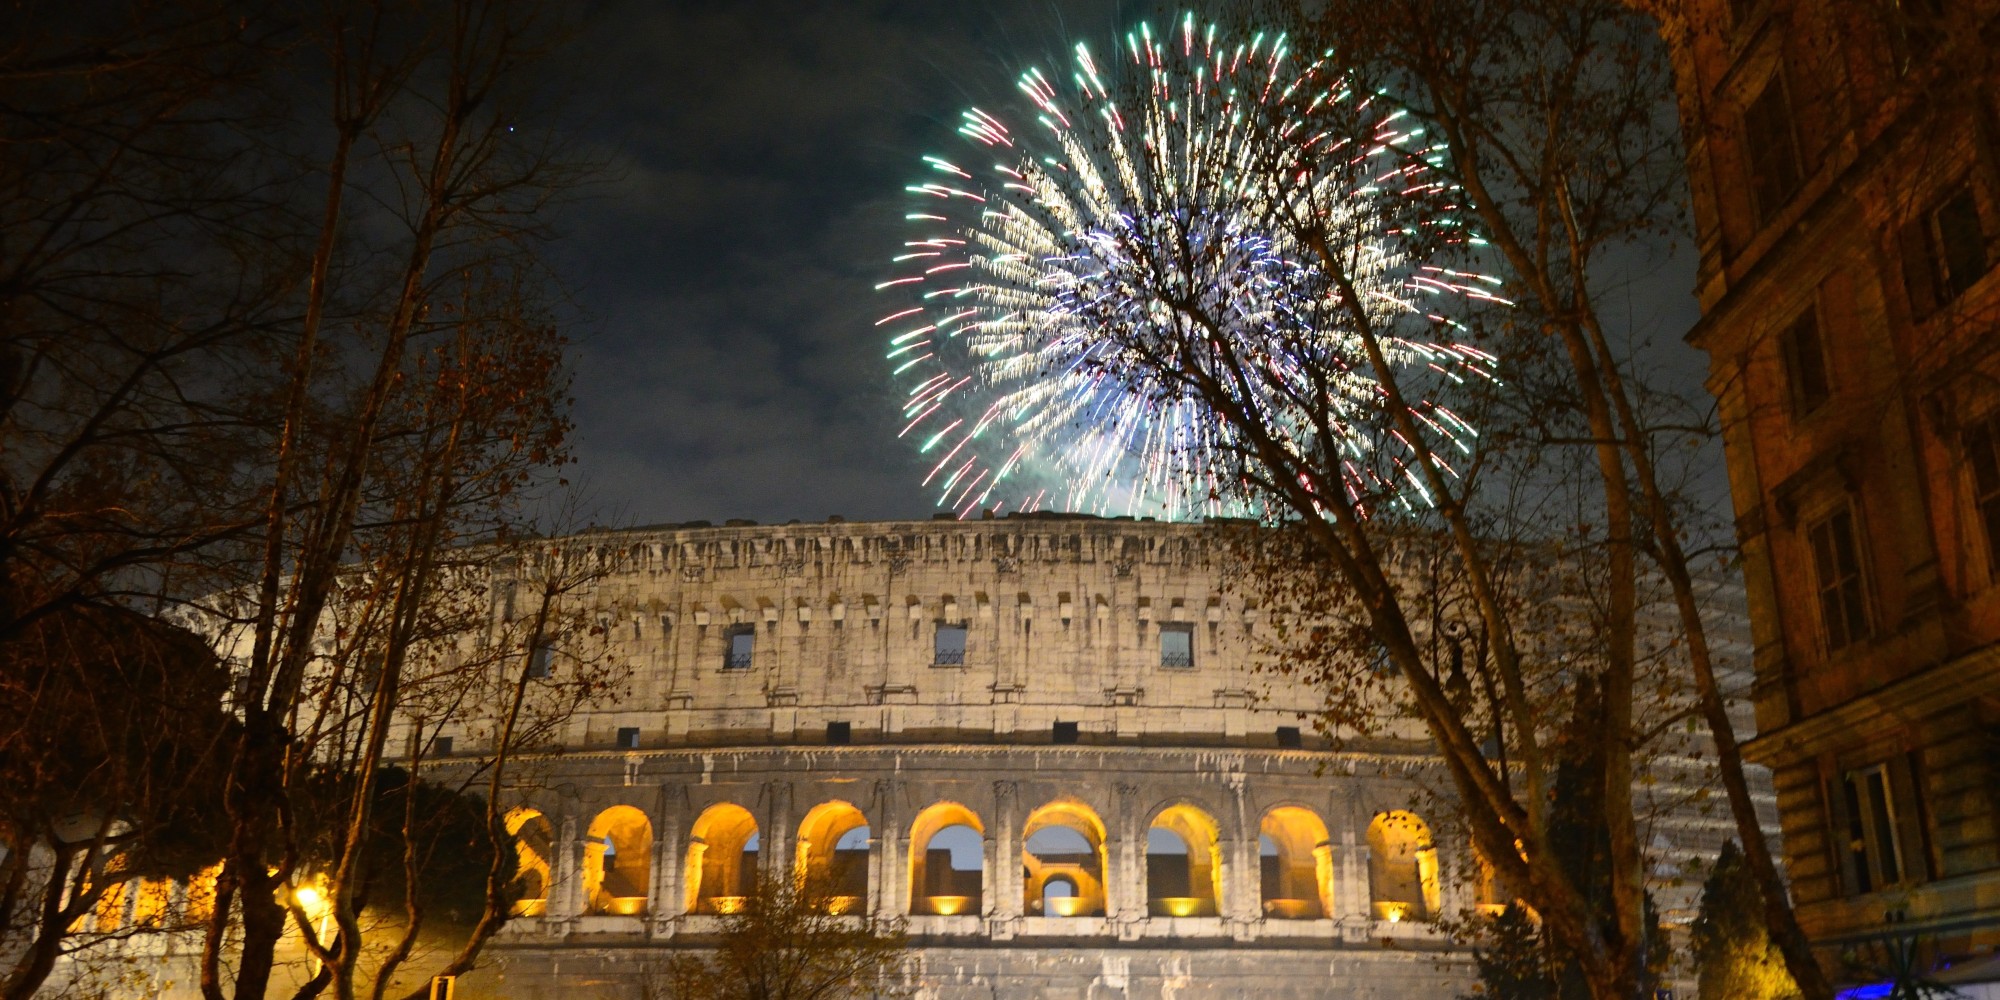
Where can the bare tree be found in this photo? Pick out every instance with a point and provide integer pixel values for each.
(788, 942)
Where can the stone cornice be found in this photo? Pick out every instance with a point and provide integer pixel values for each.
(1934, 689)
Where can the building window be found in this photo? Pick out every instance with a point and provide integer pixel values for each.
(628, 737)
(442, 747)
(1063, 732)
(948, 650)
(1773, 145)
(1944, 253)
(1289, 738)
(539, 662)
(742, 645)
(1982, 452)
(840, 733)
(1837, 578)
(1805, 363)
(1875, 856)
(1177, 646)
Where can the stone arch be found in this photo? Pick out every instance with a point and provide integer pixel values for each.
(1295, 864)
(1064, 839)
(947, 861)
(618, 862)
(534, 846)
(721, 859)
(833, 855)
(1402, 867)
(1183, 863)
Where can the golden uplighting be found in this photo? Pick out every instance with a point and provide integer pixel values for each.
(1067, 906)
(1180, 906)
(1392, 912)
(530, 907)
(949, 906)
(1492, 909)
(1289, 909)
(727, 904)
(841, 905)
(627, 906)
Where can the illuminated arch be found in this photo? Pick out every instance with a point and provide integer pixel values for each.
(1183, 863)
(534, 844)
(1295, 864)
(618, 862)
(721, 859)
(833, 855)
(1402, 867)
(947, 861)
(1065, 840)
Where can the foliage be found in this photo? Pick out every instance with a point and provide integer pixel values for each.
(788, 944)
(113, 758)
(414, 827)
(1733, 953)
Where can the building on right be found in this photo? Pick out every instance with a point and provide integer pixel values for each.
(1845, 176)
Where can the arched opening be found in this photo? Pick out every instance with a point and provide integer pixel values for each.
(721, 860)
(1402, 867)
(1295, 864)
(1064, 840)
(833, 856)
(1183, 864)
(534, 845)
(1056, 889)
(618, 862)
(947, 861)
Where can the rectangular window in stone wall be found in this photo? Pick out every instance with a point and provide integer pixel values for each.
(1772, 143)
(1177, 646)
(1982, 453)
(1944, 252)
(949, 648)
(742, 646)
(1837, 578)
(628, 738)
(1805, 362)
(1875, 854)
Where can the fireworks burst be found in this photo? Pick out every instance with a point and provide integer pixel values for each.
(1214, 192)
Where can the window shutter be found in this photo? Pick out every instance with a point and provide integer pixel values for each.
(1919, 270)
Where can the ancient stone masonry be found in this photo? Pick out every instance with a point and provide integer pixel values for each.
(1042, 742)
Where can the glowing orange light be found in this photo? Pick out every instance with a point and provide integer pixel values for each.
(949, 906)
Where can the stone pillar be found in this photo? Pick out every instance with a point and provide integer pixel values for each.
(774, 855)
(1002, 881)
(667, 899)
(566, 890)
(1243, 887)
(1125, 882)
(888, 845)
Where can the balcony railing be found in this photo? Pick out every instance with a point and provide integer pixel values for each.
(948, 658)
(733, 660)
(1172, 659)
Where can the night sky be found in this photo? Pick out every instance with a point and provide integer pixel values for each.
(726, 363)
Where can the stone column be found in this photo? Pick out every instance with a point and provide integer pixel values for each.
(1125, 883)
(566, 878)
(774, 855)
(667, 899)
(1243, 888)
(1002, 886)
(888, 846)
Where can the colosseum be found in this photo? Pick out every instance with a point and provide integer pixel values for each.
(1043, 742)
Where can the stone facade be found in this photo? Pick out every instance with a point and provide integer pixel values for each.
(1044, 742)
(1847, 197)
(1103, 684)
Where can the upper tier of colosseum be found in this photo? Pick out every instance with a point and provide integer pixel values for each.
(1130, 631)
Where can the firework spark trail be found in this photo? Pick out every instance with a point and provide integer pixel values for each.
(1160, 212)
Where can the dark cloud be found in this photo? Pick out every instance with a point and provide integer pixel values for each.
(728, 366)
